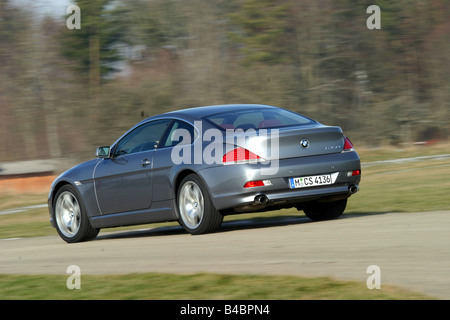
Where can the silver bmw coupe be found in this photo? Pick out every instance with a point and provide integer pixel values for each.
(197, 165)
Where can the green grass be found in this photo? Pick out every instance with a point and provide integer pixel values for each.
(159, 286)
(404, 187)
(11, 201)
(407, 187)
(409, 151)
(32, 223)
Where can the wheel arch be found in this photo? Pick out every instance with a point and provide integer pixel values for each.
(180, 176)
(54, 191)
(177, 182)
(212, 218)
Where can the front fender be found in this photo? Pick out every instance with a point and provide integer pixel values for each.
(81, 178)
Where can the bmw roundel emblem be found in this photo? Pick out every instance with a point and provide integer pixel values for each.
(304, 143)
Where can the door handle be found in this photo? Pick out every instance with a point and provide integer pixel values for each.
(145, 162)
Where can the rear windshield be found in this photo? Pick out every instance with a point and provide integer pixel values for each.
(257, 119)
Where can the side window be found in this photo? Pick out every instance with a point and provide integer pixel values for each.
(143, 138)
(179, 132)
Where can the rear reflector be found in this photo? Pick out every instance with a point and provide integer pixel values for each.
(238, 155)
(258, 183)
(354, 173)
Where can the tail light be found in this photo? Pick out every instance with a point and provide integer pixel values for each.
(239, 155)
(348, 145)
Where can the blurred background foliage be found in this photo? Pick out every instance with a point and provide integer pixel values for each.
(63, 92)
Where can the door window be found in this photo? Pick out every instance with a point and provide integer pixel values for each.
(143, 138)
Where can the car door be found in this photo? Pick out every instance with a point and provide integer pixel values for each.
(163, 158)
(123, 182)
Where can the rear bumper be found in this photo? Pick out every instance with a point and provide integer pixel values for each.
(226, 183)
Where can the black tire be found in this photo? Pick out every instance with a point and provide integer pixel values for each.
(319, 211)
(69, 215)
(196, 211)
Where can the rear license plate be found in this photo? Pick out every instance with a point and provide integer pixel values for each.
(313, 181)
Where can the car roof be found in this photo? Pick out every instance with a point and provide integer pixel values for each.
(200, 112)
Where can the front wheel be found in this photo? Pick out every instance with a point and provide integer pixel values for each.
(319, 211)
(70, 216)
(197, 212)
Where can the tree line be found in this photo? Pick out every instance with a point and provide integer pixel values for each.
(64, 91)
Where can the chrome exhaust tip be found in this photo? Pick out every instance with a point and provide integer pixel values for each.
(353, 189)
(261, 199)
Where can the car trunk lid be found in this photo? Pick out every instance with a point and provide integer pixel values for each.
(285, 143)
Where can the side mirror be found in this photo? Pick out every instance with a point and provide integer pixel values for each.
(102, 152)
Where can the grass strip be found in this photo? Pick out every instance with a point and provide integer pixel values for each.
(199, 286)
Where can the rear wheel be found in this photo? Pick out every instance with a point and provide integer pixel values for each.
(197, 212)
(319, 211)
(70, 216)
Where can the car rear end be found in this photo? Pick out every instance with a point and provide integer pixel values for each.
(284, 166)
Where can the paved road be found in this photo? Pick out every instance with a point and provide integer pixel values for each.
(411, 249)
